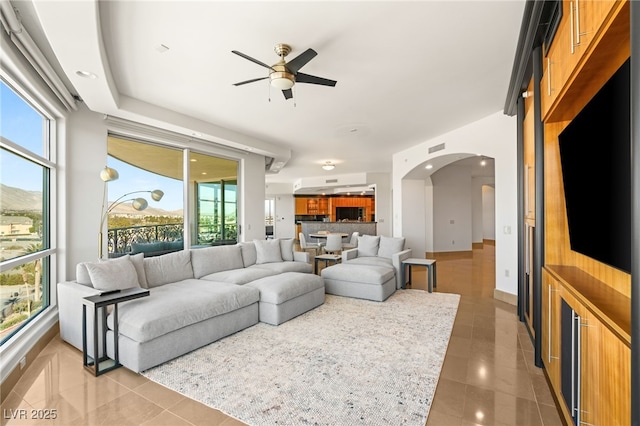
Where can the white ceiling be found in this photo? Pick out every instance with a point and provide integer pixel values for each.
(406, 71)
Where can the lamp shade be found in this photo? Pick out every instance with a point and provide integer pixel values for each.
(139, 204)
(157, 195)
(108, 174)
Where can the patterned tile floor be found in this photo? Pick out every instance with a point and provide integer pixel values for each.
(488, 377)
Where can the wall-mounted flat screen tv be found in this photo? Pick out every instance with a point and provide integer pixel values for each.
(595, 154)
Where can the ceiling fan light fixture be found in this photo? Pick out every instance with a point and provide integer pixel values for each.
(328, 165)
(282, 80)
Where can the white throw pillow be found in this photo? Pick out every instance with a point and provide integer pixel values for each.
(268, 251)
(286, 247)
(138, 262)
(113, 275)
(368, 245)
(389, 246)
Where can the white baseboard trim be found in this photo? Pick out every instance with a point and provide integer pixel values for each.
(503, 296)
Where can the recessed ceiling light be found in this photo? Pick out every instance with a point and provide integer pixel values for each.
(204, 173)
(86, 74)
(193, 160)
(429, 166)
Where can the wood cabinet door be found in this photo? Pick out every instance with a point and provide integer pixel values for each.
(551, 296)
(301, 206)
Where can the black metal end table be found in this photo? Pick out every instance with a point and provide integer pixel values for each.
(101, 364)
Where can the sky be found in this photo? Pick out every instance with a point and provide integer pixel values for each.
(23, 125)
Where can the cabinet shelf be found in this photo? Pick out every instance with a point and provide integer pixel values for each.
(611, 307)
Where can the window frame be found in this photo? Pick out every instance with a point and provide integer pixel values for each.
(16, 340)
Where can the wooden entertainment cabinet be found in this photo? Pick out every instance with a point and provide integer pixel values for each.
(584, 310)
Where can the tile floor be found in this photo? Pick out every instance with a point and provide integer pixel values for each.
(487, 378)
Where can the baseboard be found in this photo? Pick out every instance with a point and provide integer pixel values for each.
(12, 378)
(477, 246)
(503, 296)
(449, 255)
(489, 242)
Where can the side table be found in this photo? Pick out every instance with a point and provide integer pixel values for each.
(101, 364)
(431, 271)
(335, 258)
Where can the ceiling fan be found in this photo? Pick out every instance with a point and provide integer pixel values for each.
(284, 75)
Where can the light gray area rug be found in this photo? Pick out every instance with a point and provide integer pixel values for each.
(346, 362)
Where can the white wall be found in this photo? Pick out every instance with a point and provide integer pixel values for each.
(382, 182)
(488, 212)
(452, 209)
(413, 208)
(493, 136)
(86, 157)
(428, 215)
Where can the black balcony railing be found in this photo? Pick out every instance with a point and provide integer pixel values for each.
(122, 240)
(119, 240)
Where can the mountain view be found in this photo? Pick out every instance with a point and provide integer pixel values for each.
(18, 200)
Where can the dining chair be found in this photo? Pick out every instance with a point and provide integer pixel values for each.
(304, 245)
(334, 244)
(353, 241)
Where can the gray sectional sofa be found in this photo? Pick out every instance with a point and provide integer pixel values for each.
(196, 297)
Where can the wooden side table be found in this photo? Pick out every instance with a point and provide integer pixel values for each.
(431, 271)
(101, 364)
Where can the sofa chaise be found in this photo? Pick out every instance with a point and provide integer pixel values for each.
(197, 296)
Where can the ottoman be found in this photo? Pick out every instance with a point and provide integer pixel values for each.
(287, 295)
(360, 281)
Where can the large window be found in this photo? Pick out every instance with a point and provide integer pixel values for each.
(210, 216)
(25, 205)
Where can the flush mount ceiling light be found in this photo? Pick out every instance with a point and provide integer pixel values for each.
(328, 165)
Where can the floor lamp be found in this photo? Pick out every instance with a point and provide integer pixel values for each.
(109, 174)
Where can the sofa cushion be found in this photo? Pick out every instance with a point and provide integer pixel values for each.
(370, 260)
(286, 249)
(281, 288)
(239, 276)
(389, 246)
(363, 274)
(249, 254)
(177, 305)
(116, 274)
(268, 251)
(209, 260)
(368, 245)
(168, 268)
(280, 267)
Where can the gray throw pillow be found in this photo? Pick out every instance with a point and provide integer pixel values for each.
(368, 245)
(268, 251)
(113, 275)
(389, 246)
(286, 247)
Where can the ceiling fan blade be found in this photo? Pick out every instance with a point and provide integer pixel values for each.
(255, 61)
(306, 78)
(249, 81)
(301, 60)
(288, 94)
